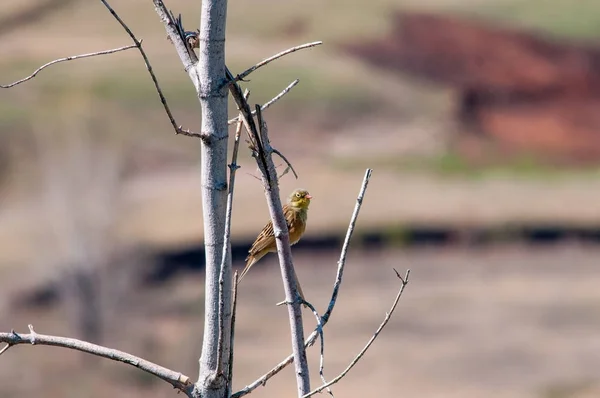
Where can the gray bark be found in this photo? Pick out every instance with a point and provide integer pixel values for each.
(207, 75)
(210, 72)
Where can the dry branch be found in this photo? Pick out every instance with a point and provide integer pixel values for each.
(262, 152)
(71, 58)
(357, 358)
(266, 61)
(176, 379)
(233, 166)
(249, 123)
(346, 245)
(319, 330)
(284, 251)
(267, 105)
(138, 43)
(338, 281)
(233, 309)
(289, 165)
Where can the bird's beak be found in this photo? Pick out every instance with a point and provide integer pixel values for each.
(308, 197)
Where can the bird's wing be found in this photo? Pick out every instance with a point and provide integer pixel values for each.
(266, 237)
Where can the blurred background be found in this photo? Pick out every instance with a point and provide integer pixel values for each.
(479, 117)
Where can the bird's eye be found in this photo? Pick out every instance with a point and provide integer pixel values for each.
(298, 194)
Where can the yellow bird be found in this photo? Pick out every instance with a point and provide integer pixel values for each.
(296, 213)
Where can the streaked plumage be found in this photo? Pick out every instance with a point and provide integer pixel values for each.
(296, 213)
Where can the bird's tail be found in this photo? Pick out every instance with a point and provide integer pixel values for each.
(250, 261)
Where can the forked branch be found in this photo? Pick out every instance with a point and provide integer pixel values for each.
(322, 339)
(138, 43)
(388, 315)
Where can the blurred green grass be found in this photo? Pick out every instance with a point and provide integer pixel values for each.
(568, 19)
(340, 20)
(450, 164)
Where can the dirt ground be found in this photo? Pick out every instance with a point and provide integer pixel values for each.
(504, 321)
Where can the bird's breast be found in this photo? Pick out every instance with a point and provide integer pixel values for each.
(297, 227)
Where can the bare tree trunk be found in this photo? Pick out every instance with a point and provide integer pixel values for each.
(210, 72)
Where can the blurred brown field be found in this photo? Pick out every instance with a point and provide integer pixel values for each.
(499, 322)
(90, 171)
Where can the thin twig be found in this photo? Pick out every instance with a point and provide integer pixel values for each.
(325, 318)
(266, 61)
(5, 348)
(138, 43)
(362, 352)
(285, 171)
(232, 335)
(227, 242)
(289, 165)
(176, 379)
(271, 102)
(346, 245)
(71, 58)
(322, 338)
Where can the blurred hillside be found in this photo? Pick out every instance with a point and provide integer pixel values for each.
(518, 93)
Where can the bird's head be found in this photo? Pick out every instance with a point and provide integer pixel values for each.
(300, 198)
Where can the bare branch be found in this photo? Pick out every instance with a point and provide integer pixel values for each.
(271, 102)
(231, 337)
(246, 116)
(289, 165)
(357, 358)
(346, 245)
(71, 58)
(138, 43)
(227, 240)
(176, 379)
(322, 339)
(266, 61)
(325, 318)
(5, 348)
(262, 151)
